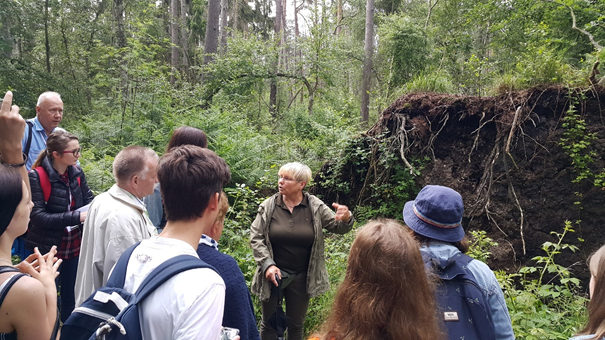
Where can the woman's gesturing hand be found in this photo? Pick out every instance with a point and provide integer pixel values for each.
(342, 212)
(270, 274)
(42, 267)
(12, 126)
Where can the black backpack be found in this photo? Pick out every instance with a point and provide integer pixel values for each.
(113, 313)
(462, 305)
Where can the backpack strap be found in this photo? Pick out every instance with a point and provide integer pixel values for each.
(44, 182)
(118, 275)
(8, 269)
(167, 270)
(28, 144)
(7, 286)
(450, 268)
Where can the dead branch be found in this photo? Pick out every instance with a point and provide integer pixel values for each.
(402, 135)
(510, 136)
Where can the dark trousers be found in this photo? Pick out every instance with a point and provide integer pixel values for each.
(297, 302)
(66, 283)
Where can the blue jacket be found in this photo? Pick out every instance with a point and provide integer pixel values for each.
(488, 284)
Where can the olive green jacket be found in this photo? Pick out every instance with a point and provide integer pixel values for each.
(317, 275)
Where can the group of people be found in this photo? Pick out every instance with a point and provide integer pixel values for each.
(391, 288)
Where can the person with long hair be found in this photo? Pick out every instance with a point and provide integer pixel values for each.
(287, 240)
(595, 327)
(184, 135)
(386, 293)
(55, 219)
(28, 303)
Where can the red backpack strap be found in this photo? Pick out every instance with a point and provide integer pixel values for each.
(44, 182)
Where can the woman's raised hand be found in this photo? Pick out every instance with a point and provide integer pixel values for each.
(342, 212)
(12, 126)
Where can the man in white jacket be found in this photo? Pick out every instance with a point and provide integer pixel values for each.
(117, 219)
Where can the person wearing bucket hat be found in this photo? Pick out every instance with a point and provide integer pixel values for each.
(435, 218)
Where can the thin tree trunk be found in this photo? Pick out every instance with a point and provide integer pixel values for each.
(235, 17)
(118, 6)
(278, 33)
(184, 36)
(223, 27)
(212, 27)
(174, 39)
(338, 16)
(46, 42)
(367, 64)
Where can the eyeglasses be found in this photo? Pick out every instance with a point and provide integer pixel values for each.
(77, 152)
(287, 179)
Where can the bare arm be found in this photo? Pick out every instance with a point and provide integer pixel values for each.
(12, 126)
(34, 299)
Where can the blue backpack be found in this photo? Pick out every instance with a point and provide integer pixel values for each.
(462, 305)
(113, 313)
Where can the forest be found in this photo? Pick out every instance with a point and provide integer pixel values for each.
(316, 81)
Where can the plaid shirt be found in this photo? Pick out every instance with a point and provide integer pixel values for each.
(70, 244)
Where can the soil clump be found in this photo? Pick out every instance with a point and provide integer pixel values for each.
(505, 156)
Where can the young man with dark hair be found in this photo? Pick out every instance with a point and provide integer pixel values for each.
(190, 304)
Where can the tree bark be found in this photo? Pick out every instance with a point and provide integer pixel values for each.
(174, 39)
(212, 27)
(367, 64)
(46, 42)
(223, 27)
(278, 33)
(184, 36)
(338, 16)
(235, 16)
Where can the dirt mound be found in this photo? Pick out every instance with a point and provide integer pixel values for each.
(504, 154)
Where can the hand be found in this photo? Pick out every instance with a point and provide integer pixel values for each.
(12, 126)
(83, 215)
(342, 212)
(46, 271)
(32, 259)
(270, 274)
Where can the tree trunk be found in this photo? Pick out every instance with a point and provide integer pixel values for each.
(278, 33)
(235, 16)
(118, 6)
(212, 27)
(338, 16)
(184, 36)
(174, 39)
(367, 64)
(223, 27)
(46, 42)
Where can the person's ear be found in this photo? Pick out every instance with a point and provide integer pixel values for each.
(37, 109)
(134, 180)
(303, 184)
(55, 154)
(213, 202)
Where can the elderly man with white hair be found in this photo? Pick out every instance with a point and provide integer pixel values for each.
(117, 219)
(49, 113)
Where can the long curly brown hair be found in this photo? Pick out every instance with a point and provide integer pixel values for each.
(385, 293)
(596, 306)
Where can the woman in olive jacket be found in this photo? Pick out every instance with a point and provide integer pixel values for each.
(57, 222)
(287, 241)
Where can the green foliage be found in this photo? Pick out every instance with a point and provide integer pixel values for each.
(480, 245)
(545, 310)
(576, 143)
(438, 81)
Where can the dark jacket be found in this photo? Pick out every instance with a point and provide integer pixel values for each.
(48, 220)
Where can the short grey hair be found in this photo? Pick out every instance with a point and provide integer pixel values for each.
(46, 95)
(298, 171)
(133, 161)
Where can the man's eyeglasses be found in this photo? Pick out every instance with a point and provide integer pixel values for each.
(77, 152)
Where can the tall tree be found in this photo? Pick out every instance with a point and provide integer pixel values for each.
(223, 27)
(278, 38)
(174, 39)
(46, 41)
(212, 28)
(367, 63)
(184, 36)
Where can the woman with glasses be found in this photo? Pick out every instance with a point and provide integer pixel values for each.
(55, 219)
(288, 244)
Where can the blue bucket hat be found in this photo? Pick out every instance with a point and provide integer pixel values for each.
(436, 213)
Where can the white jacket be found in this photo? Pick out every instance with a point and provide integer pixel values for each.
(116, 220)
